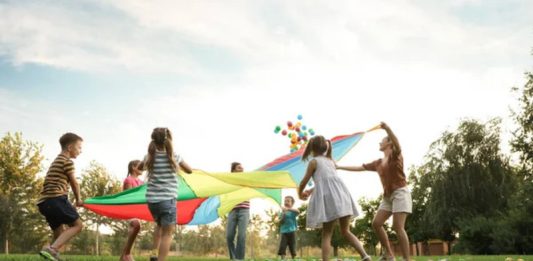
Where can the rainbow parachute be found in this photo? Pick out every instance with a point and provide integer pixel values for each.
(204, 197)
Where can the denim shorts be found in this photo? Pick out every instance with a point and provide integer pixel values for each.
(164, 212)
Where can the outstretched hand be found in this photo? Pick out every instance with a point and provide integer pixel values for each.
(305, 195)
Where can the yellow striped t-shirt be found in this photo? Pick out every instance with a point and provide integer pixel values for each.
(56, 181)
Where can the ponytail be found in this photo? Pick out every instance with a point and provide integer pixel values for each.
(161, 139)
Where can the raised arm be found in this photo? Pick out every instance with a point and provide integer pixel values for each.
(185, 167)
(395, 143)
(308, 174)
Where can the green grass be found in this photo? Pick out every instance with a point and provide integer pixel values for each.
(145, 258)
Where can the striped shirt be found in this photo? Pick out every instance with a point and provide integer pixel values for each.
(56, 180)
(244, 204)
(162, 181)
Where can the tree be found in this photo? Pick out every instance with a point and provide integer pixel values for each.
(20, 162)
(522, 144)
(363, 226)
(253, 238)
(465, 175)
(273, 225)
(417, 225)
(96, 181)
(306, 237)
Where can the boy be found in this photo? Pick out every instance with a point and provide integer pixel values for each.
(53, 203)
(288, 227)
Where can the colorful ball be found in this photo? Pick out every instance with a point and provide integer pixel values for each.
(304, 127)
(300, 117)
(289, 123)
(284, 132)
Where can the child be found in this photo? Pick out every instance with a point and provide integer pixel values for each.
(331, 200)
(396, 196)
(162, 190)
(132, 181)
(288, 227)
(53, 203)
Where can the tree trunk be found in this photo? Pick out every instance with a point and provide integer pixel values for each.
(6, 245)
(252, 255)
(97, 239)
(300, 245)
(336, 251)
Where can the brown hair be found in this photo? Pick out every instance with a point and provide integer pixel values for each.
(234, 165)
(131, 165)
(67, 139)
(292, 199)
(318, 145)
(161, 139)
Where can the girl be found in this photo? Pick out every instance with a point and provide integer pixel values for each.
(131, 181)
(331, 200)
(162, 190)
(396, 196)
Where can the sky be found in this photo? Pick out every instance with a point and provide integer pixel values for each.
(222, 74)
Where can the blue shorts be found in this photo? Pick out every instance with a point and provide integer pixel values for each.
(164, 212)
(58, 211)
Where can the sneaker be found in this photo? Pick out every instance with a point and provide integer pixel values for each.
(384, 256)
(153, 258)
(49, 254)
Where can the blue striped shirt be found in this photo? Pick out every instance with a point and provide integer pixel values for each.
(163, 180)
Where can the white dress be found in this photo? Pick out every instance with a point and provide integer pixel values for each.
(331, 199)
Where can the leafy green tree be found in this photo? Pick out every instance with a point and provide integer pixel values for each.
(522, 142)
(417, 225)
(96, 181)
(306, 237)
(363, 225)
(521, 212)
(465, 175)
(20, 162)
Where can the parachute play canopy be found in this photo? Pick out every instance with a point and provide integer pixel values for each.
(204, 197)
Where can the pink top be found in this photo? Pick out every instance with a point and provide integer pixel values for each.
(133, 182)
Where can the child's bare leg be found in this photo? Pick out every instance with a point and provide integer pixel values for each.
(67, 234)
(352, 239)
(166, 239)
(134, 228)
(327, 233)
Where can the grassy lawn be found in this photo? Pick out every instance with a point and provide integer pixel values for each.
(141, 258)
